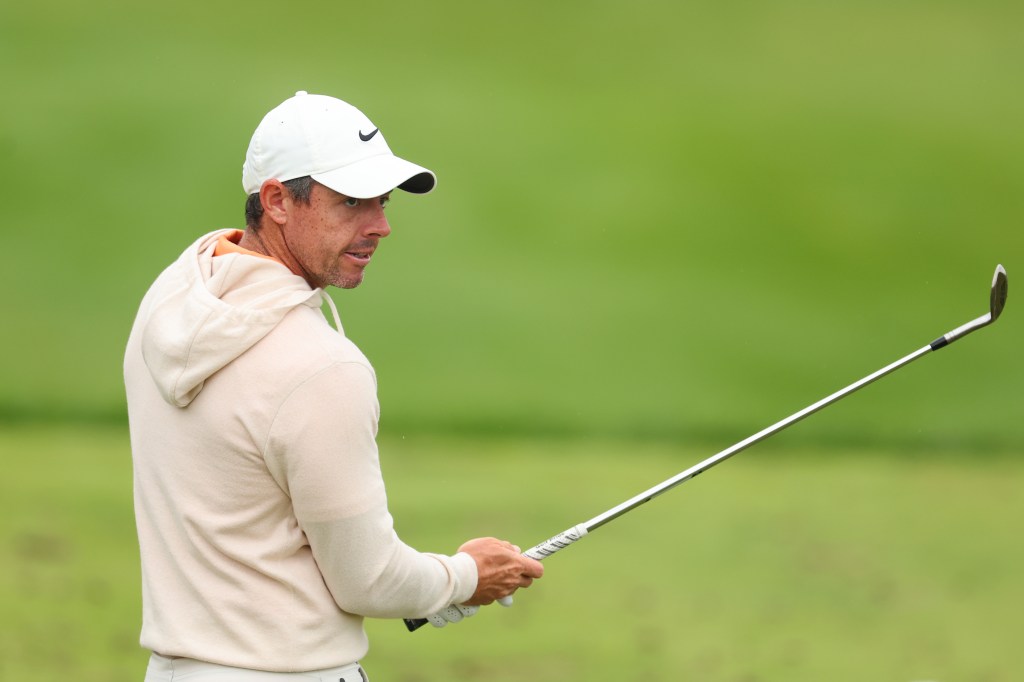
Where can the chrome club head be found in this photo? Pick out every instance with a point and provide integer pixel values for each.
(997, 300)
(999, 289)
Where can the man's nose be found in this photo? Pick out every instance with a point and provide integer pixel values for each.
(378, 225)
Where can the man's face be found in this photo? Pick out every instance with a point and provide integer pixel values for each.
(333, 237)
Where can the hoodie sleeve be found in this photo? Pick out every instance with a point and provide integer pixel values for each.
(322, 451)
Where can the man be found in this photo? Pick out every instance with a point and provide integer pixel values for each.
(263, 525)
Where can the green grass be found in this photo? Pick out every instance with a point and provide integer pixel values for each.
(803, 564)
(69, 584)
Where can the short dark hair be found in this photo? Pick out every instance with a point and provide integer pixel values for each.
(300, 189)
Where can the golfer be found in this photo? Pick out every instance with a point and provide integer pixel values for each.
(263, 524)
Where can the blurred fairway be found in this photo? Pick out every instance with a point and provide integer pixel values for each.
(659, 227)
(782, 564)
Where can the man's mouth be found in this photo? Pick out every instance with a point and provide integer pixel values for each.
(361, 257)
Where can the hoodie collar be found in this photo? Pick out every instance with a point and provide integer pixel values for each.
(208, 309)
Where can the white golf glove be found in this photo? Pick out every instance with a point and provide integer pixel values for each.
(456, 612)
(452, 614)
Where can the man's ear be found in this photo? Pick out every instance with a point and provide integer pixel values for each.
(274, 198)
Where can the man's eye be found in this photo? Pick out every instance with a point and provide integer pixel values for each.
(352, 202)
(384, 201)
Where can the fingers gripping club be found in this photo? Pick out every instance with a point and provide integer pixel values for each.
(456, 612)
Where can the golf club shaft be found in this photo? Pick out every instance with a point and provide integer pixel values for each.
(545, 549)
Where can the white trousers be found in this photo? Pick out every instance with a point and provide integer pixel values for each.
(164, 669)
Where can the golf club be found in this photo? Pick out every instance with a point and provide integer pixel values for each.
(559, 542)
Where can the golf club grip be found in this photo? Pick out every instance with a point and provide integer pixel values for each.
(554, 544)
(538, 552)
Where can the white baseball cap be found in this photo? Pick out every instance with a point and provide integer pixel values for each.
(335, 144)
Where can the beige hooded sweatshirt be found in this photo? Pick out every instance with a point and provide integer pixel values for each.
(262, 518)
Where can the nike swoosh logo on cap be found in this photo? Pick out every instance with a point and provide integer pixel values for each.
(367, 138)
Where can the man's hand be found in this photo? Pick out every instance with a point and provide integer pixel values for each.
(501, 569)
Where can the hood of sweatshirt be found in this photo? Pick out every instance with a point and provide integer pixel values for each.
(205, 311)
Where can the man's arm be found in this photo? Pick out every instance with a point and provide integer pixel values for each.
(322, 451)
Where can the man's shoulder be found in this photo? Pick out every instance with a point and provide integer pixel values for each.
(304, 343)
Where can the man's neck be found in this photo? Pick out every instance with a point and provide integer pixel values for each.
(251, 241)
(273, 246)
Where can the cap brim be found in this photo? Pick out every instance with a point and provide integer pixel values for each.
(377, 175)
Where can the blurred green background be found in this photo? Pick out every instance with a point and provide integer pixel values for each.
(659, 227)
